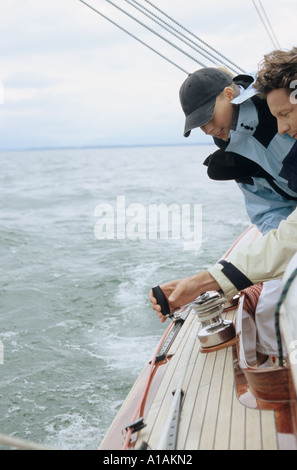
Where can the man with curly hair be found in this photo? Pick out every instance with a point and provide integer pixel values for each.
(267, 258)
(277, 81)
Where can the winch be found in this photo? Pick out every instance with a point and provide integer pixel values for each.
(208, 307)
(214, 329)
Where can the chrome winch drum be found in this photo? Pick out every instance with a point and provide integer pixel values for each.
(214, 330)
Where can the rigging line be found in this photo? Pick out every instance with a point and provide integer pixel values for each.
(182, 37)
(134, 37)
(267, 19)
(156, 33)
(195, 36)
(264, 24)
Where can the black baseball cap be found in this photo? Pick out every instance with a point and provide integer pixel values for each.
(198, 95)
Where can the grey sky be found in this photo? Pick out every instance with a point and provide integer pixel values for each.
(70, 78)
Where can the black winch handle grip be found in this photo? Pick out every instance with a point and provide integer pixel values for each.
(161, 300)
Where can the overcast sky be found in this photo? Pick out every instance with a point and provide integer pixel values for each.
(70, 78)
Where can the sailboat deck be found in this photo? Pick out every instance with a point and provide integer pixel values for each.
(211, 417)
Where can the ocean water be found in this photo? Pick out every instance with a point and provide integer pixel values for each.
(76, 323)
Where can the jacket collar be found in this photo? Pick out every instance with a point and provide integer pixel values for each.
(247, 90)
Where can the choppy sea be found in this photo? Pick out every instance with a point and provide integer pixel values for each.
(76, 325)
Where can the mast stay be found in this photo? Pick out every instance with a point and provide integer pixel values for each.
(176, 29)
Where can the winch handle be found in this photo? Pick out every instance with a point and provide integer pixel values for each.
(161, 300)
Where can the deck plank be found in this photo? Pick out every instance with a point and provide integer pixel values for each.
(269, 436)
(253, 431)
(213, 402)
(237, 430)
(222, 437)
(190, 395)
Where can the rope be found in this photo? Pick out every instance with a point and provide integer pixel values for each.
(277, 315)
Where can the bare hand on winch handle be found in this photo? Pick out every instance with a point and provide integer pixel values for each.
(179, 293)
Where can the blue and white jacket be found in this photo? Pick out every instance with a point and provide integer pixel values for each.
(261, 161)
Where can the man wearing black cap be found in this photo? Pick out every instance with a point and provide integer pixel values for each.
(198, 96)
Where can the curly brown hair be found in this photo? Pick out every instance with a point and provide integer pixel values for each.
(277, 70)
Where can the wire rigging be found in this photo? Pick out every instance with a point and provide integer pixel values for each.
(267, 24)
(155, 32)
(194, 35)
(182, 37)
(218, 59)
(133, 36)
(267, 19)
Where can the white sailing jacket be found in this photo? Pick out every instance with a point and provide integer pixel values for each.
(263, 260)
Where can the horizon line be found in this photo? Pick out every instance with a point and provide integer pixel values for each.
(81, 147)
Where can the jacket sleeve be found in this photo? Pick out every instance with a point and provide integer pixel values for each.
(262, 260)
(265, 208)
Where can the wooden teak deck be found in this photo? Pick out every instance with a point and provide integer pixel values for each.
(211, 399)
(211, 415)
